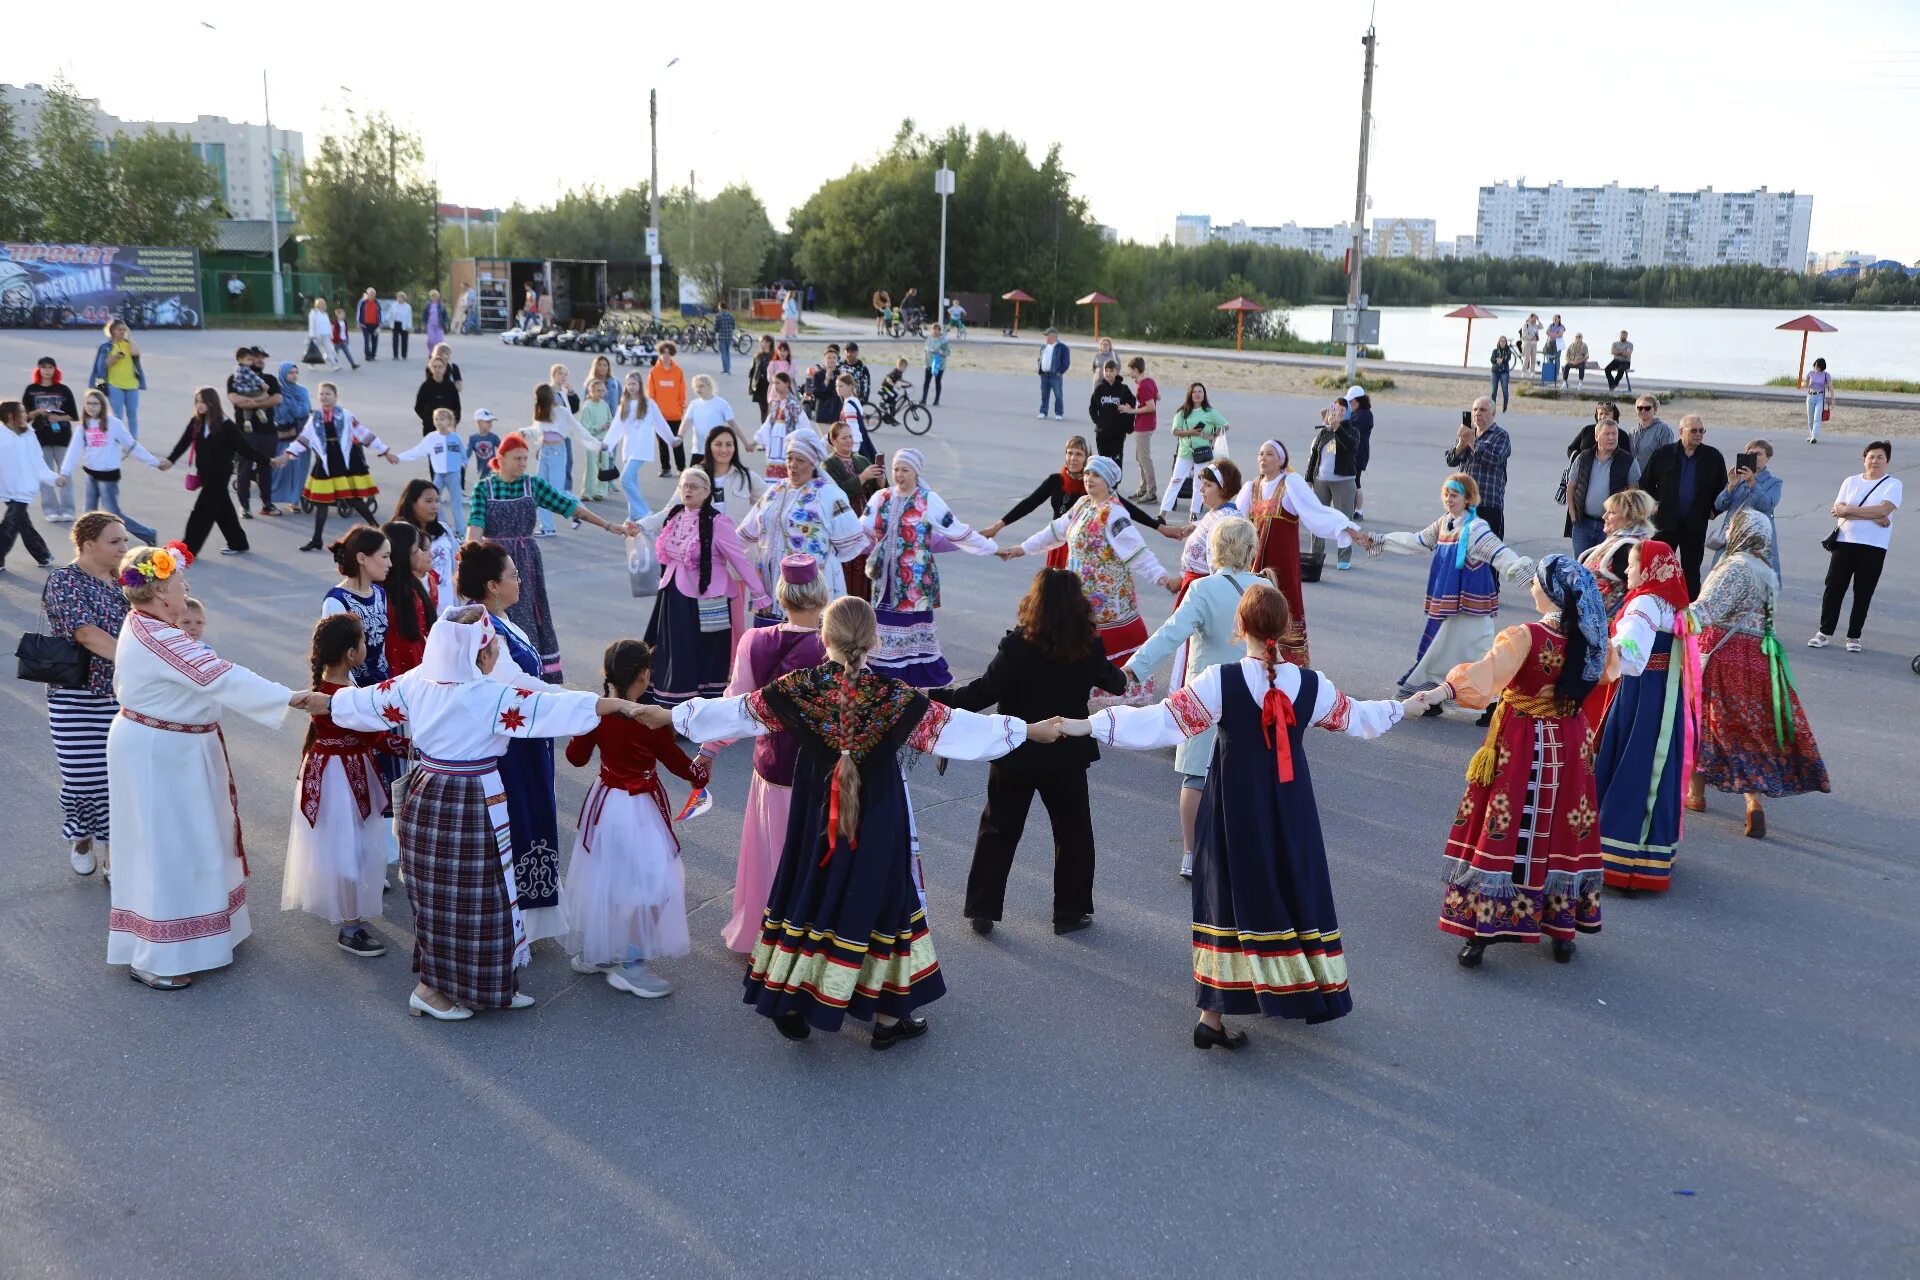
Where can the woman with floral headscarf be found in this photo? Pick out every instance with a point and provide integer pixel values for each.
(1754, 736)
(1279, 502)
(1523, 854)
(1652, 724)
(803, 513)
(1106, 550)
(1463, 591)
(902, 521)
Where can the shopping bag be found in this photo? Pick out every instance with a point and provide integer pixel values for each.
(643, 570)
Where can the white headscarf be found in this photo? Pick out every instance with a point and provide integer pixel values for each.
(454, 648)
(807, 443)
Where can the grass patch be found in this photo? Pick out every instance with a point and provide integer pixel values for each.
(1900, 385)
(1283, 346)
(1533, 391)
(1368, 382)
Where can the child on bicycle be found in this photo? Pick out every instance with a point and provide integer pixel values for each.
(893, 388)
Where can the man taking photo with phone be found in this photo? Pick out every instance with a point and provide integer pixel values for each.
(1481, 449)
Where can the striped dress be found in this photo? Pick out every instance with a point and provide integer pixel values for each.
(80, 718)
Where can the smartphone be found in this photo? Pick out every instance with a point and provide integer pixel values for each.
(1466, 417)
(1744, 461)
(880, 460)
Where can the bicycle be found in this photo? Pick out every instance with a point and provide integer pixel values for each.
(912, 325)
(903, 412)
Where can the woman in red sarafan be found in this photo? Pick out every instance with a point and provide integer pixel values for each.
(1523, 854)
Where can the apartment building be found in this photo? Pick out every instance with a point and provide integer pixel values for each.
(1644, 226)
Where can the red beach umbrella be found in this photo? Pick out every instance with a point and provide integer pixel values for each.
(1016, 297)
(1094, 300)
(1240, 308)
(1805, 325)
(1471, 312)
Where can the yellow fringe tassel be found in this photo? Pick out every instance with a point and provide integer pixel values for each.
(1480, 768)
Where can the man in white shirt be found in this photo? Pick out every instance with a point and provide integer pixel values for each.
(1054, 358)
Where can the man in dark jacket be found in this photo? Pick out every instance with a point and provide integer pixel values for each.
(1112, 423)
(1685, 478)
(1333, 469)
(1601, 469)
(254, 413)
(854, 367)
(822, 399)
(1038, 681)
(51, 412)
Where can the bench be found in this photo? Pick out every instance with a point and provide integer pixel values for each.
(1595, 366)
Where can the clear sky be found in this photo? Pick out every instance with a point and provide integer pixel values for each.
(1236, 109)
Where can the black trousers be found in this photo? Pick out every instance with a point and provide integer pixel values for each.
(1691, 543)
(679, 453)
(1849, 564)
(399, 343)
(1113, 444)
(213, 507)
(1010, 793)
(929, 377)
(18, 523)
(355, 505)
(252, 473)
(1615, 370)
(1496, 517)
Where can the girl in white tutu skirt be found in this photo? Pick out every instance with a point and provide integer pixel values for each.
(624, 897)
(340, 840)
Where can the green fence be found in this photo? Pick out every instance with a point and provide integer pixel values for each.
(254, 297)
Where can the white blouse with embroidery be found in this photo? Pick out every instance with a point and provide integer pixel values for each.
(943, 731)
(471, 721)
(1197, 708)
(1634, 632)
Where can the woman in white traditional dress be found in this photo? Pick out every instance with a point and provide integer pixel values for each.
(456, 846)
(804, 513)
(179, 862)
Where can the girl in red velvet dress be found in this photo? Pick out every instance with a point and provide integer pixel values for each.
(624, 898)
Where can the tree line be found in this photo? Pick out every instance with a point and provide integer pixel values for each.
(61, 184)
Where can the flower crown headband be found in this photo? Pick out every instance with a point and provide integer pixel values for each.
(158, 567)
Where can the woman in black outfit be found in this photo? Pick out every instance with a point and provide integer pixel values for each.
(437, 391)
(1044, 667)
(1360, 413)
(1060, 490)
(215, 440)
(759, 381)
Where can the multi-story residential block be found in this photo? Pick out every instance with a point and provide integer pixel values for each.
(1644, 226)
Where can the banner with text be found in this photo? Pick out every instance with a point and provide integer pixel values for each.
(83, 286)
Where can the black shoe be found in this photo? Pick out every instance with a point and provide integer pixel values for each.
(246, 514)
(940, 765)
(1562, 950)
(908, 1028)
(44, 564)
(1434, 710)
(1486, 718)
(361, 943)
(310, 546)
(982, 925)
(1472, 954)
(1074, 925)
(1206, 1037)
(233, 551)
(792, 1025)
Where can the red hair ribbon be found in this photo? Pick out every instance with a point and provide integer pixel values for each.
(833, 794)
(1276, 723)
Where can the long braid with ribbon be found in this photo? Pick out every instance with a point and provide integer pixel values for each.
(1276, 715)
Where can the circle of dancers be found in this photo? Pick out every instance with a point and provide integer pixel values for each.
(799, 610)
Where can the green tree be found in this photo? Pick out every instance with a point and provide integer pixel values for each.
(368, 209)
(165, 194)
(71, 182)
(19, 216)
(719, 243)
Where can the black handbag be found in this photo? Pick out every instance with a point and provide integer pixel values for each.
(51, 660)
(607, 475)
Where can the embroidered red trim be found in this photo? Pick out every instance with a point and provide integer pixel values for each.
(185, 929)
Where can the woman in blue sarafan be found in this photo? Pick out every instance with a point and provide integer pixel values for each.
(1265, 936)
(486, 575)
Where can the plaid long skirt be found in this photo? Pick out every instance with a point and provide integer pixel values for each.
(462, 919)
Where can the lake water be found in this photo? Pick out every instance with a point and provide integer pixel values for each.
(1689, 344)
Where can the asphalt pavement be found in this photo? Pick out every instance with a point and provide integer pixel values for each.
(1722, 1084)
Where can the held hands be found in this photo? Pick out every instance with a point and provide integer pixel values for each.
(1072, 728)
(1420, 701)
(61, 482)
(1172, 584)
(276, 464)
(389, 455)
(650, 716)
(1011, 553)
(1044, 730)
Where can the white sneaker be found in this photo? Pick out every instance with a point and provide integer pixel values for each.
(1853, 646)
(1820, 640)
(83, 861)
(1186, 866)
(638, 980)
(521, 1000)
(1059, 417)
(581, 966)
(1043, 415)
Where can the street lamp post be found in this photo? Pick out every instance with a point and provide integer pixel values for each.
(943, 186)
(653, 195)
(273, 189)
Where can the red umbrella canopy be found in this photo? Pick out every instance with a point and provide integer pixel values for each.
(1472, 311)
(1239, 304)
(1018, 295)
(1094, 300)
(1808, 324)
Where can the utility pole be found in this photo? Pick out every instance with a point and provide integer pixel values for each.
(1359, 212)
(273, 198)
(942, 183)
(653, 200)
